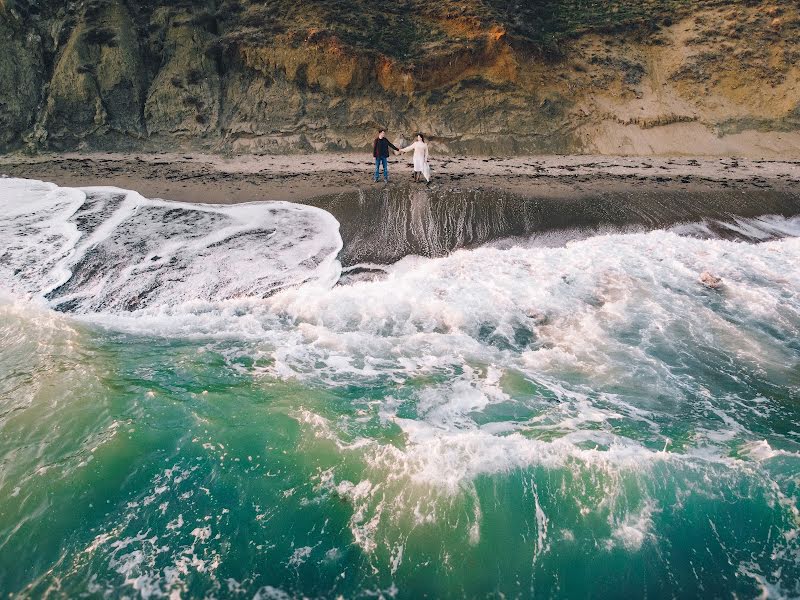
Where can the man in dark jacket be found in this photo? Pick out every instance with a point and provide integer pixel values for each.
(380, 150)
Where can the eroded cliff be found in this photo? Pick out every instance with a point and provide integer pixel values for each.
(479, 76)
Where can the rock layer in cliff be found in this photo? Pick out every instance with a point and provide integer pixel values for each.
(479, 76)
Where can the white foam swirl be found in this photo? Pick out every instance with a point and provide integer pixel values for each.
(107, 250)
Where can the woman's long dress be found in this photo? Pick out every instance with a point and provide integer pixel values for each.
(420, 155)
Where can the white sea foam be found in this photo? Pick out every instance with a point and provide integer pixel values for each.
(107, 250)
(597, 312)
(762, 450)
(568, 322)
(634, 528)
(191, 270)
(599, 334)
(761, 228)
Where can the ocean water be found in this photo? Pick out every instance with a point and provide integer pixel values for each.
(195, 402)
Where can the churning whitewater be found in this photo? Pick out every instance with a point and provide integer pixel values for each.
(110, 250)
(194, 401)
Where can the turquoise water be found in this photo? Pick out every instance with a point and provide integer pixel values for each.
(578, 421)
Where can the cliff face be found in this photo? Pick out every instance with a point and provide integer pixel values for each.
(481, 76)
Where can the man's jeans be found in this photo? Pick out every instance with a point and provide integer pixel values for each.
(385, 162)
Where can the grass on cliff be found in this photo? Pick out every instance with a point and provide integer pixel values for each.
(411, 29)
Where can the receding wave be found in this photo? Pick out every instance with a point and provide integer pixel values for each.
(108, 250)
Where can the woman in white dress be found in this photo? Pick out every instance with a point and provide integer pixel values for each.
(420, 149)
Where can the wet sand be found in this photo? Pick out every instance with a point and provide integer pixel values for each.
(382, 226)
(216, 179)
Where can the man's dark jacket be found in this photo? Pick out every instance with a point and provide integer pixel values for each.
(380, 149)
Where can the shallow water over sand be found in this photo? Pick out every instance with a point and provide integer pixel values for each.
(534, 417)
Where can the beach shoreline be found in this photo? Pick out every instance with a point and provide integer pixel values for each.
(471, 200)
(215, 179)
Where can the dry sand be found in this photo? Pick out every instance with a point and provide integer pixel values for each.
(216, 179)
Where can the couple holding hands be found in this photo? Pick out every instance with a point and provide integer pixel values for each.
(380, 150)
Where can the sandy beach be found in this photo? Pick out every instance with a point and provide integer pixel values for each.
(223, 180)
